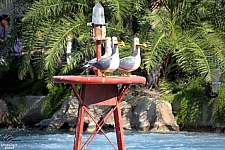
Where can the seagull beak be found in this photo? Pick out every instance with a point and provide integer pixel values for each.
(142, 46)
(121, 44)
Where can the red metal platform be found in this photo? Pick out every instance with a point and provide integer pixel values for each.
(100, 91)
(92, 79)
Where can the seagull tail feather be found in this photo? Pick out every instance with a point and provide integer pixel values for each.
(85, 67)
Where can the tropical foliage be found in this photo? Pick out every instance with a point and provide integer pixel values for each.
(191, 31)
(189, 98)
(219, 110)
(48, 27)
(56, 96)
(186, 37)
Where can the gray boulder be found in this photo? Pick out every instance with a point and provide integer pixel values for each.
(28, 109)
(4, 115)
(148, 114)
(154, 115)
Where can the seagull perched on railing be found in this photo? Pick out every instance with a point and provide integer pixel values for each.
(111, 63)
(108, 52)
(131, 63)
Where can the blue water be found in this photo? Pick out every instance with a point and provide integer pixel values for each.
(62, 140)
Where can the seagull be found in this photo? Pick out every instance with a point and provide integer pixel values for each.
(108, 52)
(131, 63)
(111, 63)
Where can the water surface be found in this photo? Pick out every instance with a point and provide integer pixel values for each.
(63, 140)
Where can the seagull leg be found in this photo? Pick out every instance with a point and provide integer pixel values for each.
(109, 76)
(83, 72)
(104, 74)
(124, 74)
(95, 71)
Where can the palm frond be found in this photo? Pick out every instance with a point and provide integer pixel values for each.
(25, 67)
(154, 53)
(197, 48)
(118, 9)
(215, 45)
(48, 8)
(85, 49)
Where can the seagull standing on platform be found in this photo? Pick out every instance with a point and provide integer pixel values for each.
(108, 52)
(111, 63)
(131, 63)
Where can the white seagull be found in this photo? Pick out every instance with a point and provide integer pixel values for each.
(111, 63)
(108, 52)
(131, 63)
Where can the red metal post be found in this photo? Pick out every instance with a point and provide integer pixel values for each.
(99, 48)
(98, 33)
(79, 128)
(119, 128)
(98, 54)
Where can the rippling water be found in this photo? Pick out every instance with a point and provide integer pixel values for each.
(62, 140)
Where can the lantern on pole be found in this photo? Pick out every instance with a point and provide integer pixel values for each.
(98, 16)
(98, 30)
(98, 22)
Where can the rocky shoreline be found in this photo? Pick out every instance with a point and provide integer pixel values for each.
(140, 110)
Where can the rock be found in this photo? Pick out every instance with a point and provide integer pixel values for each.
(4, 121)
(137, 111)
(154, 115)
(28, 108)
(144, 114)
(66, 114)
(147, 114)
(126, 113)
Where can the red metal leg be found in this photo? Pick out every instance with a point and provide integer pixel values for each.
(119, 128)
(122, 92)
(77, 94)
(79, 128)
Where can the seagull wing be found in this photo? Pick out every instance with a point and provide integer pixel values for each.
(127, 63)
(103, 63)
